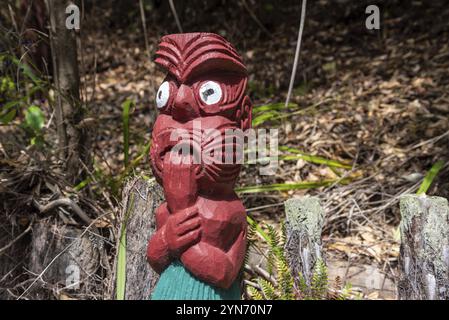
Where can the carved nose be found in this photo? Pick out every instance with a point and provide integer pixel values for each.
(184, 106)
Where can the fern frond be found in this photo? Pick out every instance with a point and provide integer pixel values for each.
(254, 293)
(283, 235)
(285, 279)
(320, 281)
(268, 289)
(304, 289)
(273, 236)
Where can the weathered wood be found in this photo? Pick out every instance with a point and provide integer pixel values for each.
(61, 256)
(304, 223)
(13, 250)
(424, 257)
(140, 200)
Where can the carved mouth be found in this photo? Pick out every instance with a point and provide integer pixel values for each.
(186, 148)
(196, 146)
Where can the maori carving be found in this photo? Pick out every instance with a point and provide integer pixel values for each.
(200, 242)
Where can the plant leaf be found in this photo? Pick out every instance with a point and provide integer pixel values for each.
(430, 176)
(290, 186)
(125, 120)
(121, 259)
(34, 118)
(8, 117)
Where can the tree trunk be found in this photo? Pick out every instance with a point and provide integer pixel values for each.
(304, 223)
(140, 200)
(424, 258)
(73, 139)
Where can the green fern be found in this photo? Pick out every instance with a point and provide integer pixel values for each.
(268, 290)
(254, 293)
(320, 283)
(283, 287)
(285, 280)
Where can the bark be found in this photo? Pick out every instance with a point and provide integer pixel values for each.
(69, 112)
(304, 223)
(63, 256)
(424, 257)
(140, 200)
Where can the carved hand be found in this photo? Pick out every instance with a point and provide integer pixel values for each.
(180, 182)
(180, 187)
(183, 230)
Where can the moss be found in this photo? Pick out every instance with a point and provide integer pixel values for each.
(425, 246)
(306, 215)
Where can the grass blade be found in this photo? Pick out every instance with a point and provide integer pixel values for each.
(258, 228)
(290, 186)
(430, 176)
(273, 106)
(297, 154)
(125, 120)
(121, 259)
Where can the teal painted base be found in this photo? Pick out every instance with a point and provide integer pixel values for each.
(176, 283)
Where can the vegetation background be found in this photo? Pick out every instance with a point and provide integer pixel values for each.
(367, 119)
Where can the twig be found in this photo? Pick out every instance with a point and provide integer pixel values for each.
(28, 229)
(252, 284)
(66, 202)
(298, 49)
(256, 20)
(175, 14)
(264, 274)
(144, 26)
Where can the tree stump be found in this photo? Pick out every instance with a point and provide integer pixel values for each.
(140, 200)
(62, 257)
(424, 256)
(304, 223)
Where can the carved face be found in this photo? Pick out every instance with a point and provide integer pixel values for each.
(205, 86)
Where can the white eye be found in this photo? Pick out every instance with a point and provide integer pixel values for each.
(162, 95)
(210, 92)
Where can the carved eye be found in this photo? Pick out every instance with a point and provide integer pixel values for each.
(163, 94)
(210, 92)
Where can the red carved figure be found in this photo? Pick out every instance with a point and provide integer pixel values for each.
(200, 241)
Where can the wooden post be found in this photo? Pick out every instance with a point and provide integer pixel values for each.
(424, 257)
(140, 200)
(304, 223)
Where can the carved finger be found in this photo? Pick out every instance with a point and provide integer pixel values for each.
(186, 215)
(189, 225)
(189, 239)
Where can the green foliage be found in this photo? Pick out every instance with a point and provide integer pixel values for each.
(121, 254)
(34, 118)
(254, 293)
(319, 285)
(126, 106)
(282, 285)
(430, 176)
(114, 182)
(18, 85)
(271, 112)
(291, 186)
(34, 123)
(295, 154)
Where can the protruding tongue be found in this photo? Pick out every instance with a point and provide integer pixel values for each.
(179, 181)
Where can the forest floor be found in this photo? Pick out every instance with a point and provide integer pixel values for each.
(378, 100)
(375, 99)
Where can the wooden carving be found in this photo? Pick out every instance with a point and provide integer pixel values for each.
(200, 242)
